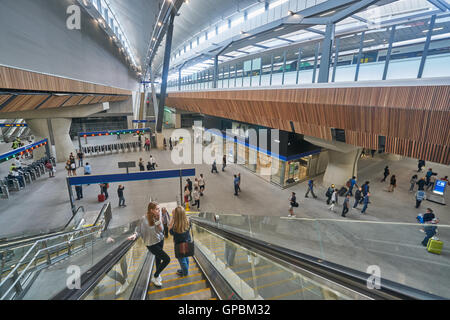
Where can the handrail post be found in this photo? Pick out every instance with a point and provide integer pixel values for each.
(45, 245)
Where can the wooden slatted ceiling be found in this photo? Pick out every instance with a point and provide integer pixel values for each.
(54, 102)
(73, 101)
(24, 102)
(410, 97)
(415, 118)
(4, 98)
(11, 78)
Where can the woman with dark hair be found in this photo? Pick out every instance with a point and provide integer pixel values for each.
(152, 232)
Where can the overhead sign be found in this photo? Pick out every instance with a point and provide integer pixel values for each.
(439, 187)
(12, 125)
(21, 151)
(143, 121)
(112, 132)
(137, 176)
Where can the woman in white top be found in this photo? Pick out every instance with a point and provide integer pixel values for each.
(201, 184)
(334, 198)
(152, 231)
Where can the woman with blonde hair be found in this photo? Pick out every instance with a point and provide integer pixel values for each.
(152, 232)
(180, 228)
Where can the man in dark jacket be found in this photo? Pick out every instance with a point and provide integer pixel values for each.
(386, 174)
(190, 188)
(121, 197)
(366, 203)
(421, 183)
(358, 197)
(329, 193)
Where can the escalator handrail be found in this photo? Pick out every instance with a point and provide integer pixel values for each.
(92, 276)
(347, 277)
(19, 264)
(73, 217)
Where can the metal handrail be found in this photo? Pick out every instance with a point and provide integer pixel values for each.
(19, 264)
(73, 216)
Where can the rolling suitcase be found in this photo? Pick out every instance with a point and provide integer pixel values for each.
(101, 198)
(435, 246)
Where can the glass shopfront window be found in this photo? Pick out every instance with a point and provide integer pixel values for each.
(296, 170)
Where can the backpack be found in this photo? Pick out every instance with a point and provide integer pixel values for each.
(328, 193)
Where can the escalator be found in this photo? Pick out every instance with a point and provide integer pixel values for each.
(227, 265)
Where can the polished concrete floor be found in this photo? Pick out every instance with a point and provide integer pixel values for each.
(44, 204)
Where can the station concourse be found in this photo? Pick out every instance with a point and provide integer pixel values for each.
(269, 124)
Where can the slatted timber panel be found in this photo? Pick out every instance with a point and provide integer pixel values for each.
(54, 102)
(74, 101)
(11, 78)
(4, 98)
(87, 100)
(96, 99)
(24, 102)
(416, 119)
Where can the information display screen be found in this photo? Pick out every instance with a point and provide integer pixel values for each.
(439, 187)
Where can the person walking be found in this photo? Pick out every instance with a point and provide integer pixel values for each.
(345, 205)
(239, 182)
(430, 231)
(104, 190)
(365, 188)
(293, 203)
(310, 188)
(170, 144)
(329, 193)
(366, 203)
(420, 196)
(236, 185)
(80, 156)
(224, 163)
(180, 229)
(147, 144)
(431, 183)
(189, 185)
(351, 183)
(71, 158)
(201, 184)
(421, 183)
(152, 163)
(385, 174)
(151, 230)
(358, 197)
(413, 182)
(49, 166)
(73, 168)
(392, 184)
(334, 199)
(186, 195)
(429, 174)
(196, 198)
(420, 164)
(79, 191)
(120, 195)
(214, 167)
(165, 218)
(68, 168)
(141, 165)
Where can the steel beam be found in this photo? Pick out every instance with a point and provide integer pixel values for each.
(324, 71)
(216, 71)
(354, 8)
(336, 59)
(388, 54)
(165, 73)
(441, 5)
(299, 60)
(358, 63)
(316, 57)
(426, 46)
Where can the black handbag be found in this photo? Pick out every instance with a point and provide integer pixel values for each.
(185, 249)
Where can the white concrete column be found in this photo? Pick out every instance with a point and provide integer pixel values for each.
(160, 141)
(177, 120)
(61, 128)
(341, 167)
